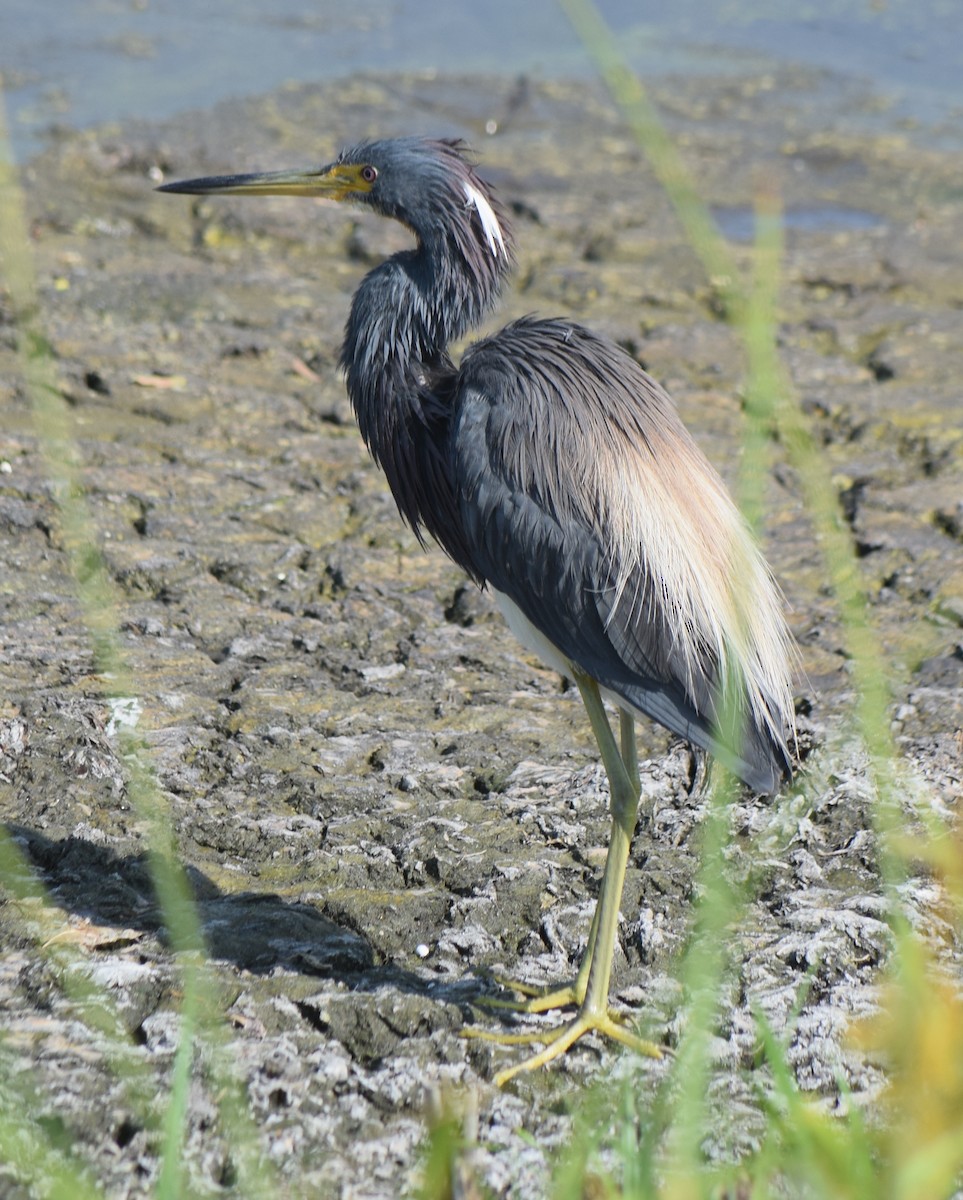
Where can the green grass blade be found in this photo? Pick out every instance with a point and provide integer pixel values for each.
(100, 609)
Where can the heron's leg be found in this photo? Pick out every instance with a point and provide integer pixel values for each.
(622, 768)
(629, 748)
(593, 1014)
(628, 755)
(624, 760)
(628, 751)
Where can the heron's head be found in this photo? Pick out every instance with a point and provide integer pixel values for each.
(427, 184)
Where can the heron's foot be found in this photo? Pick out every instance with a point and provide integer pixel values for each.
(561, 1038)
(536, 998)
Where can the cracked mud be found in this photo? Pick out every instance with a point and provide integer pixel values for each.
(379, 798)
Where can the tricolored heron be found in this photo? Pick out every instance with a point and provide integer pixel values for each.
(556, 472)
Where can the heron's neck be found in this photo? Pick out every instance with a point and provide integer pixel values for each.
(404, 315)
(397, 369)
(413, 306)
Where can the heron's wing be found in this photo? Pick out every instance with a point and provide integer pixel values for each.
(540, 412)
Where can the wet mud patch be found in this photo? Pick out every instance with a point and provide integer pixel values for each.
(379, 797)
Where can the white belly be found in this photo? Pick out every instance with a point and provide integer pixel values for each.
(536, 641)
(530, 637)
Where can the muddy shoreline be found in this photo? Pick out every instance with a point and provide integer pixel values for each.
(379, 796)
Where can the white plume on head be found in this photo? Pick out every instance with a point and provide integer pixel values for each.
(488, 219)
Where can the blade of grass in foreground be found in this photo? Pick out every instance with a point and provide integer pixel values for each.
(31, 1154)
(660, 151)
(100, 613)
(721, 902)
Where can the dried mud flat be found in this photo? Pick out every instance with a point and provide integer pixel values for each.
(378, 795)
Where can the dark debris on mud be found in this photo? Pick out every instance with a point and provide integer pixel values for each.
(379, 798)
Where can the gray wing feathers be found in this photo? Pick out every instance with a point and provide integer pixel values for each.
(535, 408)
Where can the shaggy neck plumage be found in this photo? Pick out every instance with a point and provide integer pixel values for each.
(398, 372)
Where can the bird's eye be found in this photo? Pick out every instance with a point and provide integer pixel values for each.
(369, 174)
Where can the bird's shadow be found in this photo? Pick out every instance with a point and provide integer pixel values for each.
(255, 932)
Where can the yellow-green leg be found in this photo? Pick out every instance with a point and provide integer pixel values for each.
(544, 999)
(590, 989)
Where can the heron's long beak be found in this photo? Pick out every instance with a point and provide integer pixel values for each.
(337, 181)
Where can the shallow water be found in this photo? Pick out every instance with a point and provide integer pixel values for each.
(737, 223)
(106, 60)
